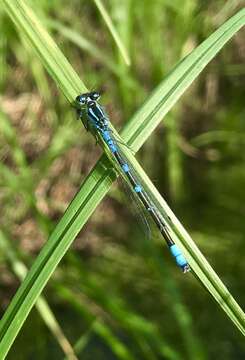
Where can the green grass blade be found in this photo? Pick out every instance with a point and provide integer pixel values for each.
(42, 306)
(143, 331)
(91, 193)
(141, 125)
(113, 31)
(84, 44)
(100, 179)
(200, 266)
(48, 52)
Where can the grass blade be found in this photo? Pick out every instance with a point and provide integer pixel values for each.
(167, 93)
(113, 31)
(84, 44)
(45, 48)
(42, 306)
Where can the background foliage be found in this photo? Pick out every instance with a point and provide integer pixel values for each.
(115, 295)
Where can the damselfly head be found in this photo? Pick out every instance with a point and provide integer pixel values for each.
(82, 99)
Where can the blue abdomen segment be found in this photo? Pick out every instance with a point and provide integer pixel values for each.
(125, 167)
(107, 137)
(179, 257)
(137, 188)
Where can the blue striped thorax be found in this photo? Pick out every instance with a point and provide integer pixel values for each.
(90, 111)
(97, 115)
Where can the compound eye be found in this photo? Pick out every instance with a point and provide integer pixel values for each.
(81, 99)
(95, 95)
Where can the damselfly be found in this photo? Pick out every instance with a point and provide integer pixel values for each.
(97, 122)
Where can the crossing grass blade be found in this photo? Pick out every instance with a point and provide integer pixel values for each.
(42, 306)
(101, 177)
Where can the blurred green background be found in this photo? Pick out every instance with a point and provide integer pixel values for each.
(116, 294)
